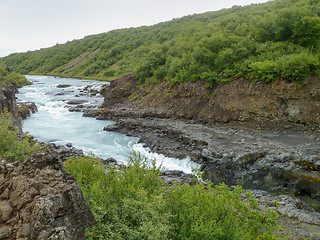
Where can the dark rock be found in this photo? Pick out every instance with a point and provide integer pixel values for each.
(173, 176)
(277, 105)
(65, 152)
(61, 94)
(108, 161)
(267, 161)
(63, 85)
(26, 108)
(118, 90)
(112, 127)
(76, 102)
(8, 101)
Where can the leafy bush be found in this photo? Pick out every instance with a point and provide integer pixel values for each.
(293, 67)
(134, 203)
(202, 212)
(127, 204)
(13, 145)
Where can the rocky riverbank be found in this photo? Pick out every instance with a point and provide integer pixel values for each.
(285, 161)
(259, 136)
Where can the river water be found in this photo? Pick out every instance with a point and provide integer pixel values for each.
(54, 123)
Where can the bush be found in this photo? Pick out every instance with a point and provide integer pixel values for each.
(291, 67)
(127, 204)
(13, 145)
(134, 203)
(216, 213)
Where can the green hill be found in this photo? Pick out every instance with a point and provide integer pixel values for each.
(277, 39)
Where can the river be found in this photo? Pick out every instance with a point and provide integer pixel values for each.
(54, 123)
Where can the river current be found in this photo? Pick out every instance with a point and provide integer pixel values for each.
(54, 123)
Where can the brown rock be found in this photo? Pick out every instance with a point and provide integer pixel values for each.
(44, 201)
(5, 211)
(8, 101)
(273, 105)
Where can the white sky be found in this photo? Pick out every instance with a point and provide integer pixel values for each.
(34, 24)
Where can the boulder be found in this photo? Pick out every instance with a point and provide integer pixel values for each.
(26, 108)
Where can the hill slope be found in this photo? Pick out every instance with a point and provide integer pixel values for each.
(264, 42)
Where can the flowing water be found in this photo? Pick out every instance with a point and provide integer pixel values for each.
(54, 123)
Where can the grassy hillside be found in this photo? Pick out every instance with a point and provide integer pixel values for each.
(8, 76)
(278, 39)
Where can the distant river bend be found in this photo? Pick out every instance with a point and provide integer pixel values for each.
(53, 123)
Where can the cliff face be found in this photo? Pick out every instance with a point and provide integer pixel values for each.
(40, 200)
(278, 103)
(8, 100)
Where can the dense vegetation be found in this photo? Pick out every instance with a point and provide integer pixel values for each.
(12, 77)
(277, 39)
(134, 203)
(14, 146)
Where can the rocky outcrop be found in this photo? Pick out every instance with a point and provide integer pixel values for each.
(119, 90)
(26, 108)
(278, 163)
(8, 101)
(273, 105)
(40, 200)
(298, 219)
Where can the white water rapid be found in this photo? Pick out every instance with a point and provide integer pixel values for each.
(53, 123)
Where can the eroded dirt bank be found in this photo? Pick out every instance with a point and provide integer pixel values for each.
(279, 105)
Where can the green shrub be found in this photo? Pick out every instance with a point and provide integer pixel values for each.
(134, 203)
(127, 204)
(200, 212)
(291, 67)
(13, 145)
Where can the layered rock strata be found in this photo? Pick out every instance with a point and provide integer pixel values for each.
(277, 105)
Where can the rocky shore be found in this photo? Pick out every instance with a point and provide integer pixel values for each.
(247, 141)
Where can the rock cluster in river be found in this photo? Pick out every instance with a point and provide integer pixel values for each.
(40, 200)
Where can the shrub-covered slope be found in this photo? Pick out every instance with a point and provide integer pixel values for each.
(277, 39)
(7, 76)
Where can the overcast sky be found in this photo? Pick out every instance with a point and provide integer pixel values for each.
(34, 24)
